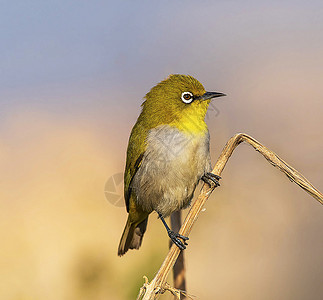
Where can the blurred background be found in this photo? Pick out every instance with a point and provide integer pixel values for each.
(72, 77)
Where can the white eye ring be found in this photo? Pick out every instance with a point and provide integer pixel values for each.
(187, 97)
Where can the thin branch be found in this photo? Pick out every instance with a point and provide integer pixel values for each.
(179, 266)
(158, 285)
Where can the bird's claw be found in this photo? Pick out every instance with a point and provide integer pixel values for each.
(211, 179)
(175, 237)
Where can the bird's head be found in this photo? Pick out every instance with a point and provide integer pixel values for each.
(179, 100)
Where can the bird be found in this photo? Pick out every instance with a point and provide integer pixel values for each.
(168, 154)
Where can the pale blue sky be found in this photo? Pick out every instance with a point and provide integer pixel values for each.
(67, 48)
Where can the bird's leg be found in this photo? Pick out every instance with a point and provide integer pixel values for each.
(211, 179)
(174, 236)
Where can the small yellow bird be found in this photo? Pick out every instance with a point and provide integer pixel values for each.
(168, 153)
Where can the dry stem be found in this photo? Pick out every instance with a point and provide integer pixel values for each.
(158, 285)
(179, 266)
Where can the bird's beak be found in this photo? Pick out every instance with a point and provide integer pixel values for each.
(210, 95)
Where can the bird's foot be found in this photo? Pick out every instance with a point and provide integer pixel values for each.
(175, 237)
(211, 179)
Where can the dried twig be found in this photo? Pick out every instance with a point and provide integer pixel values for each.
(179, 266)
(158, 285)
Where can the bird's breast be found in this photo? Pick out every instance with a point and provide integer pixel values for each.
(172, 165)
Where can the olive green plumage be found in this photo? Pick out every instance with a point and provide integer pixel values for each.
(167, 154)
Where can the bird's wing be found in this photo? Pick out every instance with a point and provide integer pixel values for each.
(128, 179)
(135, 153)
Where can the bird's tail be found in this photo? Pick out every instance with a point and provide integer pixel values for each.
(132, 236)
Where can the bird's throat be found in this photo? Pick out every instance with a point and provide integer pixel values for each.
(191, 120)
(190, 124)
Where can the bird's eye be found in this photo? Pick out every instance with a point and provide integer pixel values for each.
(187, 97)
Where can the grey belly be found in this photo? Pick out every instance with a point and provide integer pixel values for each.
(172, 165)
